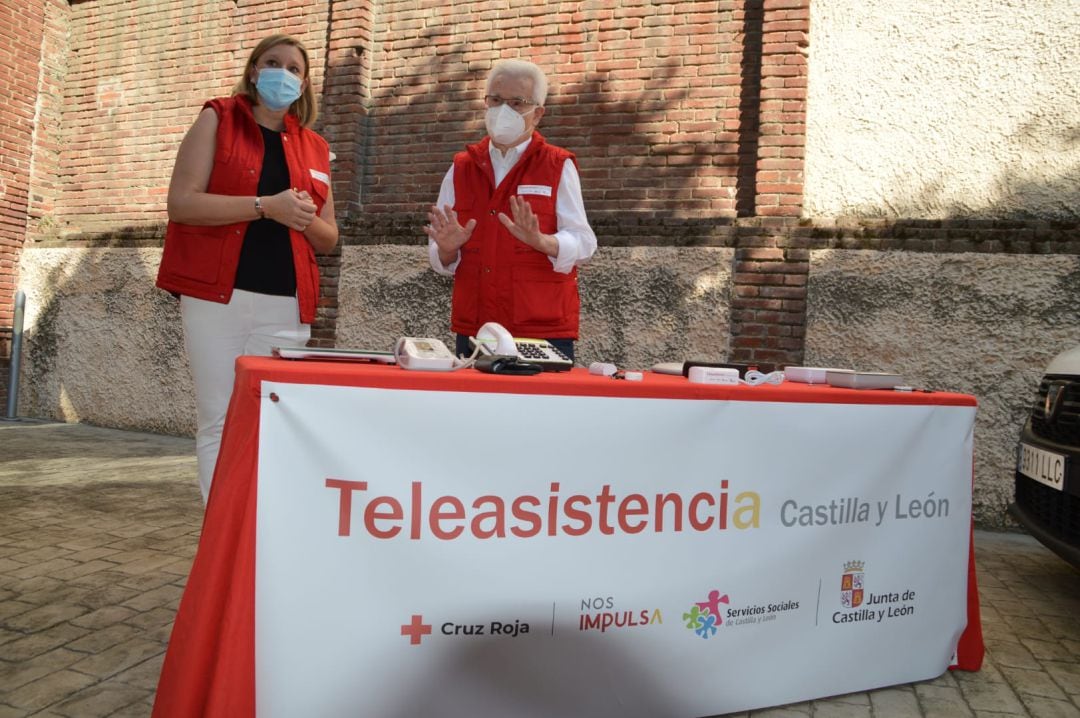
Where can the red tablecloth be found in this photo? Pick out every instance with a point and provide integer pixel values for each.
(209, 668)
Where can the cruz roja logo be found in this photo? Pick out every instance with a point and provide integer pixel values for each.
(416, 629)
(887, 606)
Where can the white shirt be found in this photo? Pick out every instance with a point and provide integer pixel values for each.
(577, 242)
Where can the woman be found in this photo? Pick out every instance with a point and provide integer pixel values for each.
(249, 206)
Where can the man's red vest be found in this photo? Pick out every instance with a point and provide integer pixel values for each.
(201, 261)
(500, 278)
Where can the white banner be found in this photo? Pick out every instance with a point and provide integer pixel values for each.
(424, 553)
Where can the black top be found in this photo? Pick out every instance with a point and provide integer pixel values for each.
(266, 261)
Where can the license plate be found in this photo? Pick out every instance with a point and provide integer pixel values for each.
(1044, 466)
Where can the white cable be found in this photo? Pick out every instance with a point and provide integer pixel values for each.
(754, 377)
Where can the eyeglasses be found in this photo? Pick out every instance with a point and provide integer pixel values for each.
(516, 103)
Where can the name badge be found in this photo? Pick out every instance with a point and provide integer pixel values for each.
(537, 189)
(321, 176)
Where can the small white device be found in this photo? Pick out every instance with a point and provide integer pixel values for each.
(424, 353)
(713, 375)
(600, 368)
(493, 338)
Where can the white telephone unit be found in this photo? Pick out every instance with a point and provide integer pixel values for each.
(493, 338)
(424, 354)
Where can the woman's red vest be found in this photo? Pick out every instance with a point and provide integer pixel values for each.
(201, 261)
(500, 278)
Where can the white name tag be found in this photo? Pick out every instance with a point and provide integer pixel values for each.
(537, 189)
(321, 176)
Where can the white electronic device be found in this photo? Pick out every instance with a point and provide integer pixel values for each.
(425, 354)
(493, 338)
(336, 354)
(713, 375)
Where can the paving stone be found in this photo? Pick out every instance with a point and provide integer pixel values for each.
(13, 675)
(38, 619)
(100, 701)
(156, 618)
(104, 638)
(139, 709)
(895, 703)
(143, 674)
(103, 617)
(46, 568)
(12, 609)
(1067, 675)
(1046, 650)
(7, 711)
(1048, 708)
(1033, 683)
(119, 657)
(28, 646)
(990, 696)
(166, 595)
(941, 701)
(82, 569)
(838, 709)
(49, 689)
(797, 710)
(1007, 653)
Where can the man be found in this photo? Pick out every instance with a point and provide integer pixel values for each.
(510, 224)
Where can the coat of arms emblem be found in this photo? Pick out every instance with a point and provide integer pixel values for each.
(851, 585)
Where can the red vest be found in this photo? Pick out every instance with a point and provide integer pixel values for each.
(201, 261)
(500, 278)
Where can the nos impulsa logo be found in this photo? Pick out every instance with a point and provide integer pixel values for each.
(416, 629)
(604, 613)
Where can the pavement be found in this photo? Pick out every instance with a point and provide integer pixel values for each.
(98, 528)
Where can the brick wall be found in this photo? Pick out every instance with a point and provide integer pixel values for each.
(20, 54)
(688, 120)
(652, 97)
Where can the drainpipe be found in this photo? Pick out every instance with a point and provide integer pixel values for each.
(16, 352)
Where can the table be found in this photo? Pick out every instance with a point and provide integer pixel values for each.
(381, 542)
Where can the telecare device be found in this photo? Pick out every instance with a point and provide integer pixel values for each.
(493, 338)
(424, 353)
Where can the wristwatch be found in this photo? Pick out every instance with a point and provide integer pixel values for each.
(259, 208)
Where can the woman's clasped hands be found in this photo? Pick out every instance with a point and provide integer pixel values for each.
(292, 208)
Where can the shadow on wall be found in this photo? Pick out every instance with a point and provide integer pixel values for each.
(1026, 189)
(977, 323)
(631, 190)
(102, 344)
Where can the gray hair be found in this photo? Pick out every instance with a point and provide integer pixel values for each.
(519, 69)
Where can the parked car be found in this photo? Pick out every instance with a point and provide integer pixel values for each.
(1048, 461)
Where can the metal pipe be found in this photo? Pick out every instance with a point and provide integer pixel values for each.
(16, 352)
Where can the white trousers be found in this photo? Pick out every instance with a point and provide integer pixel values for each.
(215, 335)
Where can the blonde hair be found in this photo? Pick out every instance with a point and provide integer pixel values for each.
(304, 108)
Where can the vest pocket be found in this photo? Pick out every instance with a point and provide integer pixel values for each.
(542, 296)
(465, 303)
(190, 253)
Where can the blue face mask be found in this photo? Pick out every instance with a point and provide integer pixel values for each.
(278, 88)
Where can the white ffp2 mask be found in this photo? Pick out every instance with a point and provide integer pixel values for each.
(504, 124)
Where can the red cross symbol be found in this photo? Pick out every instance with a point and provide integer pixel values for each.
(415, 630)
